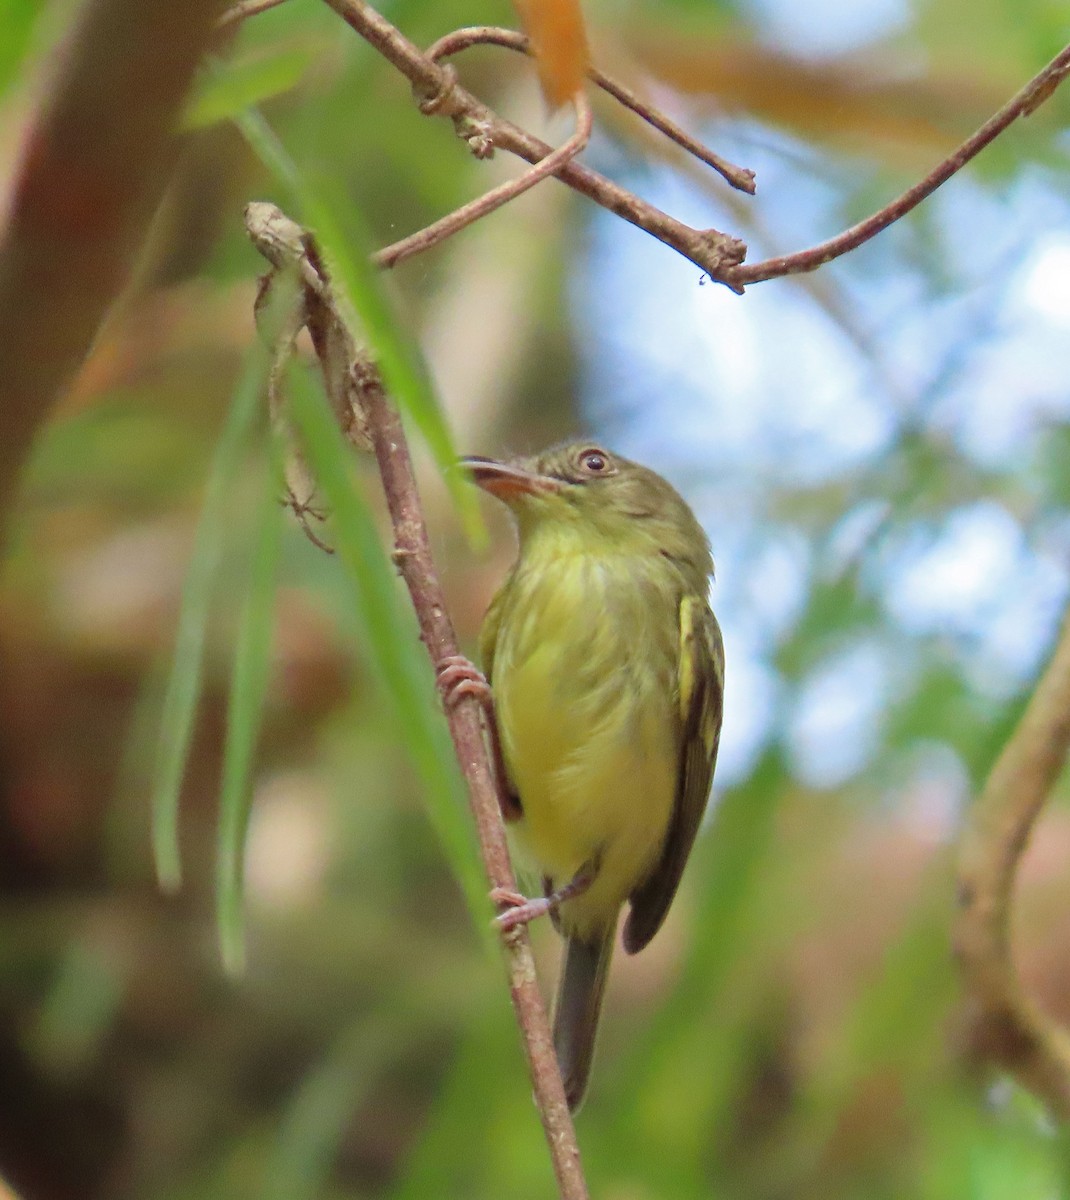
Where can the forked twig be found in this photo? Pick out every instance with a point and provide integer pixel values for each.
(439, 92)
(1013, 1031)
(512, 39)
(461, 217)
(719, 255)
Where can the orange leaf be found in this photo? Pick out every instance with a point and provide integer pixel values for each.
(559, 41)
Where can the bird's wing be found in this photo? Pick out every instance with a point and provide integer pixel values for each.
(701, 689)
(488, 633)
(511, 807)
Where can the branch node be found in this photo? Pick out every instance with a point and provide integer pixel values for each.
(443, 100)
(477, 133)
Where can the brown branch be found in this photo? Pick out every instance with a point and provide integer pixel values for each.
(462, 217)
(461, 39)
(1014, 1032)
(1026, 101)
(718, 254)
(96, 161)
(741, 178)
(287, 246)
(709, 249)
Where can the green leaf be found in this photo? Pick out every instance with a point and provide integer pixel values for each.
(223, 92)
(30, 31)
(249, 681)
(392, 644)
(184, 684)
(345, 243)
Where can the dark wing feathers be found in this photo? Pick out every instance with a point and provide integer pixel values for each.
(701, 690)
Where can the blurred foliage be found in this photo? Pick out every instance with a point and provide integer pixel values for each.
(880, 454)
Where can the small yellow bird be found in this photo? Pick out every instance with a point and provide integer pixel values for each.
(607, 669)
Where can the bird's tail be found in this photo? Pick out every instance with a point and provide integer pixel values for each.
(579, 1001)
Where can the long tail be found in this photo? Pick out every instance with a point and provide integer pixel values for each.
(579, 1001)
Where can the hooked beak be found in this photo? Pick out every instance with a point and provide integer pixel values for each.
(505, 481)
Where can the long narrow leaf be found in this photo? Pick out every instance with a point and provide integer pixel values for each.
(222, 93)
(184, 685)
(248, 687)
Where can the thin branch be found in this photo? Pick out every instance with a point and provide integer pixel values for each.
(709, 249)
(1014, 1032)
(741, 178)
(287, 246)
(457, 220)
(718, 254)
(1026, 101)
(461, 39)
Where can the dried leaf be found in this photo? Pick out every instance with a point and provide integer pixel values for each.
(559, 40)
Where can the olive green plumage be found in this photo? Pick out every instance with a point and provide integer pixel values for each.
(607, 668)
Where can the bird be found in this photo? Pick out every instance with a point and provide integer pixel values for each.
(603, 678)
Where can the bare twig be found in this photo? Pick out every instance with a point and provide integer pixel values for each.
(512, 39)
(457, 220)
(718, 254)
(284, 243)
(1014, 1032)
(1026, 101)
(741, 178)
(436, 86)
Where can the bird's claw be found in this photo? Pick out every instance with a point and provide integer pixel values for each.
(520, 910)
(457, 677)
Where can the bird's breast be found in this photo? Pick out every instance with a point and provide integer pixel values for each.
(585, 687)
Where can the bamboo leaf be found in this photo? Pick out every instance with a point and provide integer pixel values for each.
(252, 658)
(184, 684)
(235, 85)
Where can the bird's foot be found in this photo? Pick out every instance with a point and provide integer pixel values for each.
(457, 677)
(520, 910)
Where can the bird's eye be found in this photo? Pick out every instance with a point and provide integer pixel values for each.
(593, 461)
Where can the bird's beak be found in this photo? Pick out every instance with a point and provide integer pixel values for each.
(507, 482)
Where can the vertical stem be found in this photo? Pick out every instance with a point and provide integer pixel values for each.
(413, 554)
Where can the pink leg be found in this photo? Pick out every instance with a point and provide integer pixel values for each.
(458, 677)
(521, 910)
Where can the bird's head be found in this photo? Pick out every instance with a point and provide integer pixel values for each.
(607, 503)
